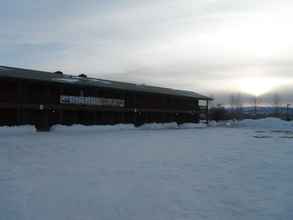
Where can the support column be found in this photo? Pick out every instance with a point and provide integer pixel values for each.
(42, 123)
(135, 111)
(207, 112)
(19, 102)
(60, 111)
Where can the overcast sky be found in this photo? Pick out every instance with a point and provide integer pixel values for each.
(209, 46)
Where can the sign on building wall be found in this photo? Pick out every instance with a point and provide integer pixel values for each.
(81, 100)
(202, 103)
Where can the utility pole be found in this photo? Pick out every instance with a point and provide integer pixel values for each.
(207, 112)
(276, 105)
(287, 112)
(255, 105)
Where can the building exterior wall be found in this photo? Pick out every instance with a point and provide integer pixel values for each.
(39, 103)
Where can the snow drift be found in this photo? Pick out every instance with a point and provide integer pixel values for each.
(266, 123)
(29, 129)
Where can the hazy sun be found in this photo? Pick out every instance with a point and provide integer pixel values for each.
(258, 86)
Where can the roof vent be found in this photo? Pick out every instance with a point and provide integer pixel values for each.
(59, 72)
(82, 75)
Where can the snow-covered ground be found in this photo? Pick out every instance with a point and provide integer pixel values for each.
(155, 172)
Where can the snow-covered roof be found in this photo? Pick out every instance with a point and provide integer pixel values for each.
(12, 72)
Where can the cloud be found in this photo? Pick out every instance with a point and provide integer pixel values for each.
(202, 45)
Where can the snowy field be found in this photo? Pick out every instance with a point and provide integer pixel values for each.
(244, 171)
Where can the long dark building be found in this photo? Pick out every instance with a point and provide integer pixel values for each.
(44, 99)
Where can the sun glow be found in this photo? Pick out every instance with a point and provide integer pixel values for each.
(258, 86)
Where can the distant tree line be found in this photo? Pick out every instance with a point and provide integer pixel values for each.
(236, 110)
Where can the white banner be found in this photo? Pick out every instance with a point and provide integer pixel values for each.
(81, 100)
